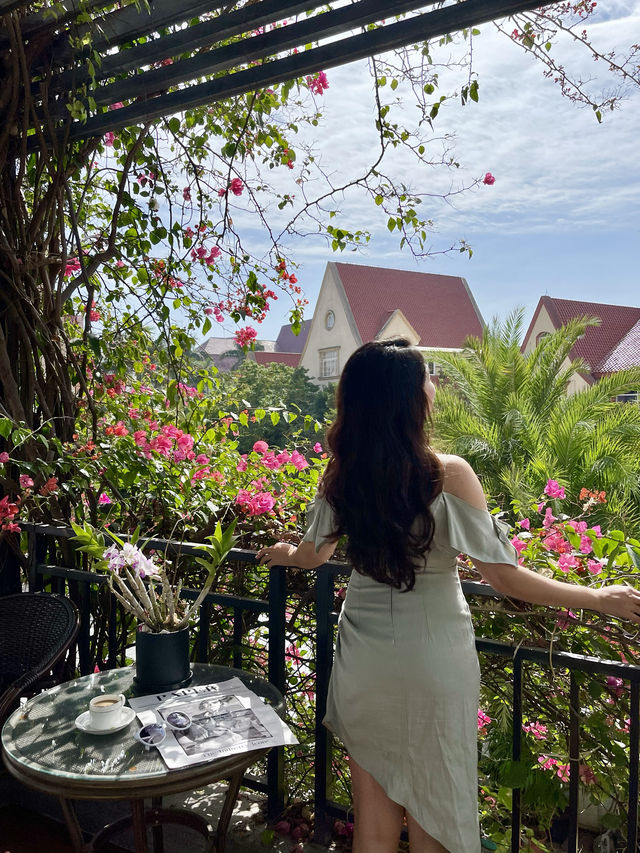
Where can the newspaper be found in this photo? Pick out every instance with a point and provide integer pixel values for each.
(226, 718)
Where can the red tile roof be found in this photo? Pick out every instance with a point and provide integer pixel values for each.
(625, 354)
(600, 342)
(289, 358)
(439, 307)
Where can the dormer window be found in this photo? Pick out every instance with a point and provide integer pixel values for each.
(329, 320)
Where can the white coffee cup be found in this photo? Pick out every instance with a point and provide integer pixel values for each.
(105, 710)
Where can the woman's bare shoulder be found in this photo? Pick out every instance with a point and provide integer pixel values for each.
(461, 480)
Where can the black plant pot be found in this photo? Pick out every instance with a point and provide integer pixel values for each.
(162, 661)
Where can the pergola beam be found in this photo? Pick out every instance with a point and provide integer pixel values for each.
(436, 23)
(33, 24)
(189, 39)
(335, 22)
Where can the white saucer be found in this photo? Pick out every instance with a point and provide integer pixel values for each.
(83, 722)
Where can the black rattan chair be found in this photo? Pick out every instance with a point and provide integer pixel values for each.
(36, 630)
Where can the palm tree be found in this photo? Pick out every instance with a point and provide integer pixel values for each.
(510, 416)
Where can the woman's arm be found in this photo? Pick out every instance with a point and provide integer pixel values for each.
(519, 582)
(303, 555)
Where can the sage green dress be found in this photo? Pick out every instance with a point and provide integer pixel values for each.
(403, 696)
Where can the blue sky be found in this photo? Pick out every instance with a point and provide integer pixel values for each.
(562, 216)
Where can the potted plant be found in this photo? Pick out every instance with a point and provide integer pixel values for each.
(142, 586)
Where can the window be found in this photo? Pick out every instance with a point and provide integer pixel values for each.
(328, 363)
(629, 397)
(540, 336)
(434, 368)
(330, 320)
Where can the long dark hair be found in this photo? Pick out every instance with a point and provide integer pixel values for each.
(383, 475)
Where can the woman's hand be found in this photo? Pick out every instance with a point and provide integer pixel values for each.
(279, 554)
(620, 601)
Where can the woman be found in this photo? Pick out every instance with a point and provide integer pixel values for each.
(405, 682)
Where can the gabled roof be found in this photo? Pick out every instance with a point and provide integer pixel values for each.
(599, 343)
(625, 354)
(288, 342)
(396, 315)
(289, 358)
(440, 307)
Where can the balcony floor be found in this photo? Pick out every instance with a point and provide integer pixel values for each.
(31, 823)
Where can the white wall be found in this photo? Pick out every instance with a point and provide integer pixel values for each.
(543, 324)
(343, 336)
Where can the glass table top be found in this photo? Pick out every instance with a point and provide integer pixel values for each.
(42, 736)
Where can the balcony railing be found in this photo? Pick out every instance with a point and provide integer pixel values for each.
(77, 584)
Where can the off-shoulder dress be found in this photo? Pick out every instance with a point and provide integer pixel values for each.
(403, 696)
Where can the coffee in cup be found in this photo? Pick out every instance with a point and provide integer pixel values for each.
(105, 710)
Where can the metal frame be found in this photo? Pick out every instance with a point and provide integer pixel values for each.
(326, 619)
(224, 45)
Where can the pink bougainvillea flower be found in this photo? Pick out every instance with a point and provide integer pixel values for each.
(184, 442)
(568, 561)
(488, 179)
(104, 499)
(161, 444)
(140, 437)
(564, 618)
(117, 106)
(245, 337)
(596, 529)
(271, 461)
(554, 489)
(25, 481)
(549, 518)
(299, 460)
(594, 567)
(555, 541)
(4, 457)
(72, 265)
(536, 729)
(236, 186)
(109, 138)
(524, 523)
(563, 771)
(186, 193)
(317, 447)
(317, 82)
(578, 526)
(242, 463)
(283, 457)
(518, 544)
(260, 447)
(483, 720)
(586, 545)
(546, 762)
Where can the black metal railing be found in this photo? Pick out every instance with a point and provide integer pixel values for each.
(77, 583)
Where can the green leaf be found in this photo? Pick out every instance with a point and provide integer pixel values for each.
(514, 774)
(275, 418)
(268, 836)
(5, 427)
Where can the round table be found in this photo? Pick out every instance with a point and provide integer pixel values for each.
(43, 748)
